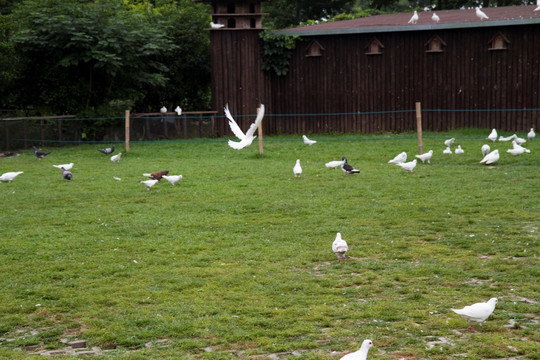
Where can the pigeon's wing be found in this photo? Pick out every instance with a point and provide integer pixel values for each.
(237, 145)
(233, 125)
(255, 125)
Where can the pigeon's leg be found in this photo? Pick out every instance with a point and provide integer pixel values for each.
(470, 326)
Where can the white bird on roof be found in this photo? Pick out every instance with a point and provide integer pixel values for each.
(116, 158)
(481, 15)
(178, 110)
(531, 134)
(493, 135)
(334, 164)
(408, 166)
(163, 110)
(435, 18)
(340, 247)
(491, 158)
(247, 138)
(537, 5)
(485, 149)
(149, 183)
(360, 354)
(173, 179)
(447, 151)
(478, 312)
(414, 18)
(65, 166)
(449, 142)
(10, 176)
(426, 156)
(401, 157)
(213, 25)
(308, 141)
(297, 169)
(459, 150)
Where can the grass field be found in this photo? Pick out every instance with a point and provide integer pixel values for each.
(235, 261)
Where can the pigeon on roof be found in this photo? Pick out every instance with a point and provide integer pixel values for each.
(481, 15)
(163, 110)
(216, 26)
(414, 18)
(178, 110)
(247, 138)
(435, 18)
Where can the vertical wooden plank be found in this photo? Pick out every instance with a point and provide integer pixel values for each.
(6, 134)
(419, 127)
(127, 130)
(25, 133)
(42, 127)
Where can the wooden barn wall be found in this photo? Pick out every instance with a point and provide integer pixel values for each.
(236, 76)
(466, 76)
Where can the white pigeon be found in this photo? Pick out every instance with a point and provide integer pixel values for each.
(308, 141)
(149, 183)
(426, 156)
(10, 176)
(401, 157)
(117, 178)
(481, 15)
(449, 142)
(414, 18)
(297, 169)
(447, 150)
(491, 158)
(65, 166)
(334, 164)
(360, 354)
(459, 150)
(116, 158)
(485, 149)
(516, 151)
(216, 26)
(519, 140)
(537, 5)
(435, 18)
(408, 166)
(531, 134)
(493, 135)
(173, 179)
(508, 138)
(247, 138)
(517, 146)
(163, 110)
(478, 312)
(340, 247)
(178, 110)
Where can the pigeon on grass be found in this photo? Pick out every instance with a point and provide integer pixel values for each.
(459, 150)
(491, 158)
(157, 175)
(485, 149)
(493, 135)
(173, 179)
(116, 158)
(297, 169)
(449, 142)
(66, 175)
(531, 134)
(401, 157)
(447, 151)
(65, 166)
(39, 154)
(340, 247)
(308, 141)
(478, 312)
(107, 151)
(348, 169)
(149, 183)
(426, 157)
(334, 164)
(10, 176)
(408, 166)
(247, 138)
(360, 354)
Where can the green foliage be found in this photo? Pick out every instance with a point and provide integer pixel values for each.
(277, 51)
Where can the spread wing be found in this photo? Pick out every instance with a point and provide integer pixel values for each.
(255, 125)
(233, 125)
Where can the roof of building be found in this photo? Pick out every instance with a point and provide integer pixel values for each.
(449, 19)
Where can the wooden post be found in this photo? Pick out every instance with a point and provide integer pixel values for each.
(127, 130)
(260, 132)
(6, 129)
(419, 127)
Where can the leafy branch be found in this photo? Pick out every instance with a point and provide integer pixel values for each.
(277, 51)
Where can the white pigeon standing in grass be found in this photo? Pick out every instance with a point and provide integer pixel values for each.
(401, 157)
(360, 354)
(116, 158)
(10, 176)
(173, 179)
(426, 156)
(414, 18)
(408, 166)
(308, 141)
(519, 140)
(491, 158)
(478, 312)
(149, 183)
(247, 138)
(459, 150)
(516, 151)
(485, 149)
(297, 169)
(435, 18)
(493, 135)
(449, 142)
(334, 164)
(340, 247)
(447, 150)
(178, 110)
(531, 134)
(481, 15)
(65, 166)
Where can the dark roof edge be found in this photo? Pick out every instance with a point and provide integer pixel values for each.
(379, 29)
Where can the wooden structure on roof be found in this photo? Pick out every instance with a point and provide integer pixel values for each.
(364, 75)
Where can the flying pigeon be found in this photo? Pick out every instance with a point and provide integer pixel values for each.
(519, 140)
(485, 149)
(173, 179)
(517, 146)
(478, 312)
(10, 176)
(116, 158)
(247, 138)
(531, 133)
(308, 141)
(340, 247)
(508, 138)
(65, 166)
(408, 166)
(360, 354)
(40, 155)
(449, 142)
(107, 151)
(178, 110)
(149, 183)
(348, 169)
(334, 164)
(163, 110)
(426, 156)
(66, 175)
(447, 150)
(157, 175)
(435, 18)
(414, 18)
(216, 26)
(459, 150)
(481, 15)
(491, 158)
(493, 135)
(297, 169)
(401, 157)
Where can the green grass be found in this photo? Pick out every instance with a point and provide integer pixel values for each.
(236, 258)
